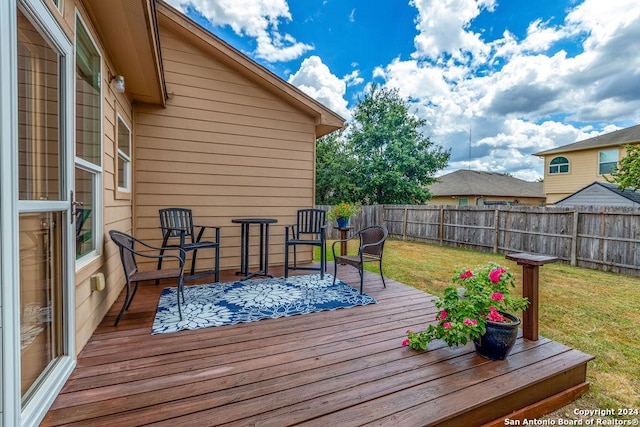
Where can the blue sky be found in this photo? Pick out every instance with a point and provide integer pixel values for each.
(509, 78)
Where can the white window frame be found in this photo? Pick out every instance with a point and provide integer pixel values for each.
(121, 155)
(97, 171)
(600, 162)
(568, 163)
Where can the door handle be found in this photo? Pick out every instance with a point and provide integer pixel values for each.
(74, 205)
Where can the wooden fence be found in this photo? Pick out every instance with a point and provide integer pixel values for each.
(598, 238)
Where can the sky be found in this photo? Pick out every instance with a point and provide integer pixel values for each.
(495, 80)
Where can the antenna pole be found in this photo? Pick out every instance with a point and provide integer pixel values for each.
(469, 163)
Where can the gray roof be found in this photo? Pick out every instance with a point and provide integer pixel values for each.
(476, 183)
(623, 136)
(627, 193)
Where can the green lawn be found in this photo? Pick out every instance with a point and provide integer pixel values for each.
(592, 311)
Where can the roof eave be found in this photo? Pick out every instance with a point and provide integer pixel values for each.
(129, 31)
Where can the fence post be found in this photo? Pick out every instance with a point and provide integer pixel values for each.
(496, 222)
(574, 239)
(441, 226)
(404, 223)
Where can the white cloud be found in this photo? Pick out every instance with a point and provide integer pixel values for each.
(316, 80)
(353, 78)
(352, 16)
(258, 19)
(443, 29)
(525, 99)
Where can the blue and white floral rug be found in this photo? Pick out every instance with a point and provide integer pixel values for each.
(234, 302)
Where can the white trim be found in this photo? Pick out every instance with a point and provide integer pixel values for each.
(126, 157)
(9, 268)
(34, 411)
(88, 166)
(600, 162)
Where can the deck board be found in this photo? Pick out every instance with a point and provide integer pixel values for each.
(343, 367)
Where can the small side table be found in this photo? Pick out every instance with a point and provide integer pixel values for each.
(244, 246)
(343, 236)
(530, 265)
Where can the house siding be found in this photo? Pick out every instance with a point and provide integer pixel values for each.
(583, 169)
(224, 147)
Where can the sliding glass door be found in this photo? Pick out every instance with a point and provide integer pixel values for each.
(44, 159)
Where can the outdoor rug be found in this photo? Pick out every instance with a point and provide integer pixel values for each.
(220, 304)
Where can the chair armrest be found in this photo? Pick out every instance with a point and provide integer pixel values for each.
(207, 226)
(333, 245)
(167, 235)
(204, 227)
(291, 227)
(181, 257)
(373, 244)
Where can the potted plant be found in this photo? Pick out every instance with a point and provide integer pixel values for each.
(342, 212)
(477, 306)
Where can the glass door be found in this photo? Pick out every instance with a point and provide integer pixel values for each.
(45, 285)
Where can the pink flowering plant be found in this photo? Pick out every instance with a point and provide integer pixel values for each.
(472, 299)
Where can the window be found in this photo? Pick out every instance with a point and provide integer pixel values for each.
(88, 160)
(124, 156)
(607, 161)
(463, 201)
(559, 165)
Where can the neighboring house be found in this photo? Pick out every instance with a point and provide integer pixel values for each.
(192, 123)
(571, 167)
(476, 188)
(602, 194)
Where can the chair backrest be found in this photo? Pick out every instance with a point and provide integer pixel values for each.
(175, 219)
(81, 215)
(373, 234)
(126, 244)
(310, 221)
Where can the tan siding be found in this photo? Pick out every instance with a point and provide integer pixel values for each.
(183, 135)
(224, 147)
(583, 170)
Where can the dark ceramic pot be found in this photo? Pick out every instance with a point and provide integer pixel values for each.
(497, 342)
(342, 222)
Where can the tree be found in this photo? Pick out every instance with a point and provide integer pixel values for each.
(394, 161)
(627, 174)
(334, 169)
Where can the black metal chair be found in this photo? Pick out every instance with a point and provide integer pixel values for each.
(178, 223)
(309, 230)
(128, 254)
(82, 236)
(370, 249)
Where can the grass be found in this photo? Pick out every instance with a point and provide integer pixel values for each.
(592, 311)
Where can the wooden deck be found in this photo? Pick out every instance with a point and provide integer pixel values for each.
(334, 368)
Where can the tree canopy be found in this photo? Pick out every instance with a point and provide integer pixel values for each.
(382, 157)
(627, 174)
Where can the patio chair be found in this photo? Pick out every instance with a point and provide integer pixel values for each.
(370, 249)
(309, 230)
(178, 223)
(129, 256)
